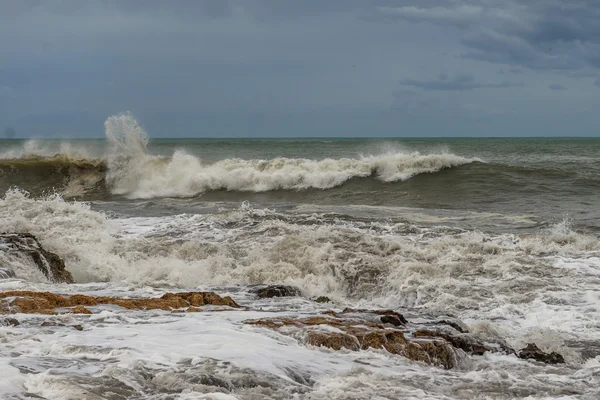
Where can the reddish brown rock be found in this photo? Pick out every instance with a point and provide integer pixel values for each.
(45, 302)
(332, 340)
(80, 310)
(363, 334)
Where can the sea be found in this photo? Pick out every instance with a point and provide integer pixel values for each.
(501, 234)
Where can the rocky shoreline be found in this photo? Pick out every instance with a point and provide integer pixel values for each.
(444, 343)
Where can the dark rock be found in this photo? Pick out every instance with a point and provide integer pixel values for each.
(9, 322)
(458, 325)
(323, 299)
(465, 342)
(51, 265)
(392, 313)
(277, 291)
(531, 351)
(392, 319)
(78, 327)
(51, 323)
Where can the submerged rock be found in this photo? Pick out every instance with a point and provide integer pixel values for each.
(25, 244)
(277, 291)
(323, 299)
(392, 319)
(46, 302)
(531, 351)
(9, 322)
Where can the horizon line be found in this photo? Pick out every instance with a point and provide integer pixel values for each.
(312, 137)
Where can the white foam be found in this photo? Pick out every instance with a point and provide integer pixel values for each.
(136, 174)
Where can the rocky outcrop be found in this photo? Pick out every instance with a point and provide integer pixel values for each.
(532, 352)
(277, 291)
(361, 330)
(442, 343)
(26, 245)
(46, 302)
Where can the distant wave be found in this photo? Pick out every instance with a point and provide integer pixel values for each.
(130, 171)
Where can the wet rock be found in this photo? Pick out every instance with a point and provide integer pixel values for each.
(392, 319)
(458, 325)
(532, 352)
(323, 299)
(277, 291)
(46, 302)
(78, 327)
(376, 312)
(51, 323)
(25, 244)
(80, 310)
(354, 334)
(333, 340)
(462, 341)
(9, 322)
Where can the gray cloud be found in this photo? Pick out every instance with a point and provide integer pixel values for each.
(597, 81)
(459, 82)
(537, 34)
(555, 86)
(275, 67)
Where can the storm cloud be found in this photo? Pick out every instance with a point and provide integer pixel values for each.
(310, 68)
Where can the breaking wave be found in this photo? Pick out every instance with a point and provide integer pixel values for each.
(129, 170)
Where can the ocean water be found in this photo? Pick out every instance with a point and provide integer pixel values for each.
(499, 233)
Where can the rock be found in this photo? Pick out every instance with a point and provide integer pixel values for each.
(80, 310)
(277, 291)
(531, 351)
(323, 299)
(9, 322)
(78, 327)
(459, 340)
(392, 319)
(376, 312)
(25, 244)
(458, 325)
(332, 340)
(45, 302)
(362, 334)
(51, 323)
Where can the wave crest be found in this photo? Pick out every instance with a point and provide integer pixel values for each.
(129, 170)
(136, 174)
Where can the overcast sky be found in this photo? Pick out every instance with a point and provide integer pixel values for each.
(218, 68)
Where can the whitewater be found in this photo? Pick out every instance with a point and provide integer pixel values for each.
(432, 231)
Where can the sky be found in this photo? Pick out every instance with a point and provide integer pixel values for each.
(289, 68)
